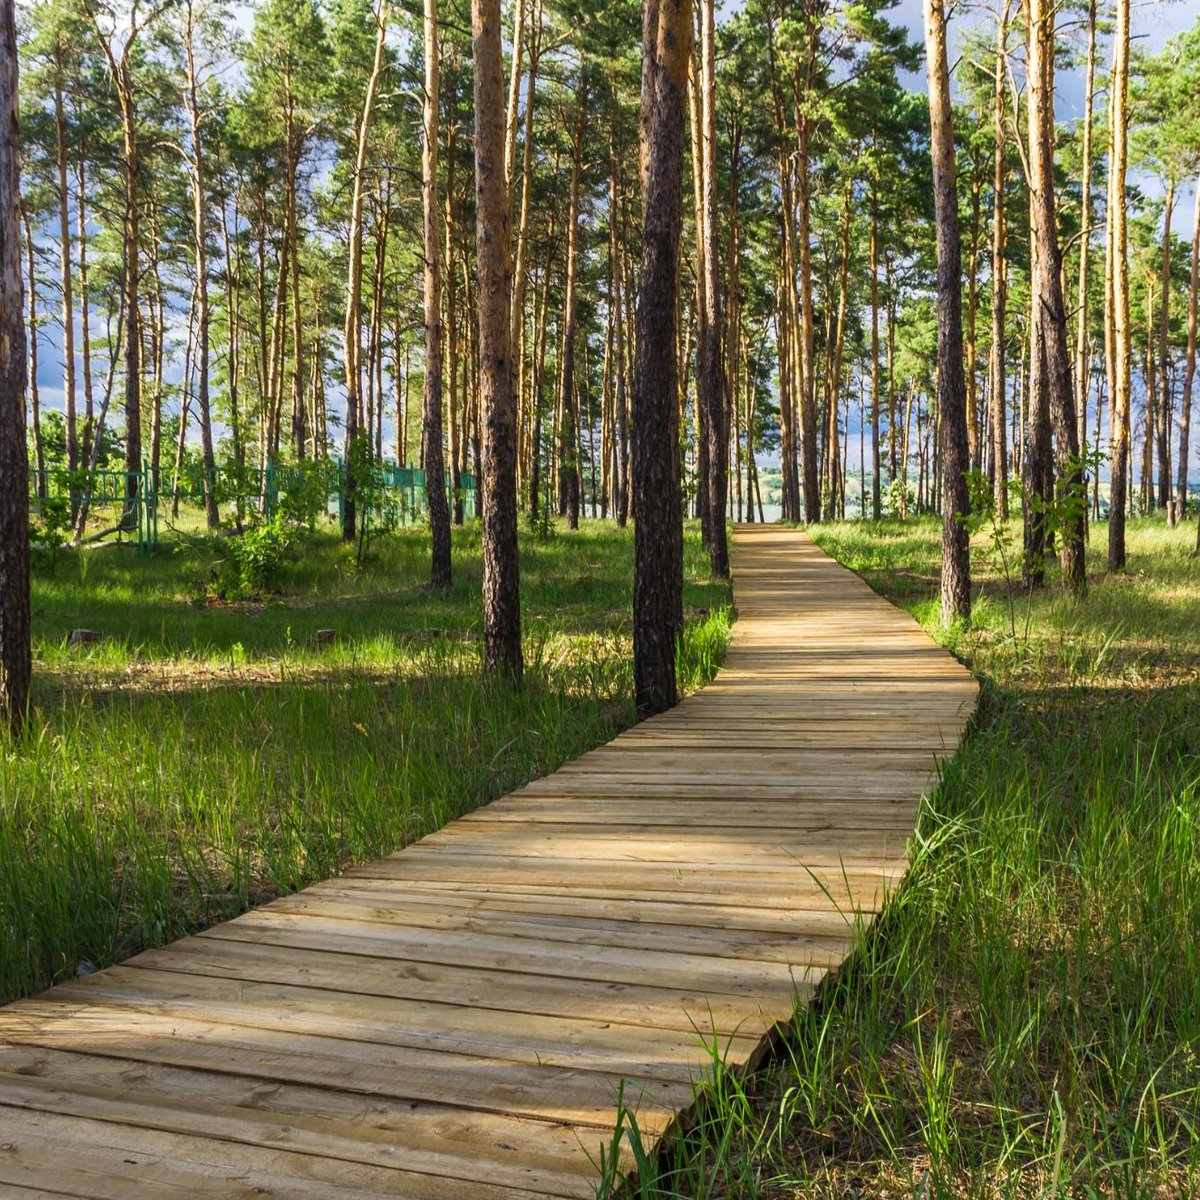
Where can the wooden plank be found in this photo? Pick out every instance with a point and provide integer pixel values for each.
(430, 1138)
(457, 1019)
(568, 1095)
(143, 1157)
(683, 1007)
(458, 1029)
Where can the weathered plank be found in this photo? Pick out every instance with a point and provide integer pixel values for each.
(456, 1019)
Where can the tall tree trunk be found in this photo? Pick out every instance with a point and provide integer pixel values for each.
(973, 438)
(233, 294)
(620, 398)
(291, 265)
(658, 569)
(15, 656)
(458, 425)
(514, 94)
(876, 465)
(733, 309)
(952, 391)
(85, 313)
(1119, 289)
(710, 378)
(996, 382)
(200, 250)
(501, 564)
(568, 430)
(35, 407)
(1164, 360)
(521, 268)
(1082, 356)
(1189, 371)
(65, 277)
(1051, 319)
(120, 70)
(431, 412)
(352, 323)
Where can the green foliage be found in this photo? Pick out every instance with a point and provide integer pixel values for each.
(380, 508)
(50, 523)
(257, 557)
(900, 498)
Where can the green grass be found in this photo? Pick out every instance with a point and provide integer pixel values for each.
(202, 758)
(1024, 1020)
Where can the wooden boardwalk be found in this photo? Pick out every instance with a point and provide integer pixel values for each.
(453, 1021)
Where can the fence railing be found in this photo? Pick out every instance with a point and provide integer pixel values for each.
(238, 492)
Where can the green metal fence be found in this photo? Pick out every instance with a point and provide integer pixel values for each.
(131, 503)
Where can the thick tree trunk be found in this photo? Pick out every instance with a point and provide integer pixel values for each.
(501, 564)
(431, 411)
(952, 391)
(15, 658)
(658, 570)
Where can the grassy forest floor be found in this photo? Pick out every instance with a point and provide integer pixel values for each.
(206, 755)
(1024, 1021)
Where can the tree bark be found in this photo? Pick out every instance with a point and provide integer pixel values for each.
(568, 430)
(15, 656)
(1119, 289)
(876, 465)
(66, 281)
(1163, 430)
(1082, 356)
(996, 383)
(710, 381)
(501, 564)
(1051, 319)
(120, 70)
(1189, 371)
(200, 252)
(431, 411)
(952, 390)
(658, 570)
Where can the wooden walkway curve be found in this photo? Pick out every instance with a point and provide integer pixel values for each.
(453, 1021)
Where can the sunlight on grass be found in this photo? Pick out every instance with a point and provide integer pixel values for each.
(202, 758)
